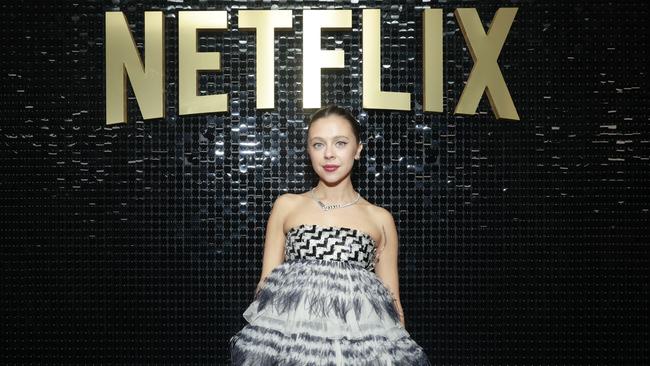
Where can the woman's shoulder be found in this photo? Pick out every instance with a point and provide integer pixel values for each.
(291, 197)
(289, 200)
(285, 199)
(379, 213)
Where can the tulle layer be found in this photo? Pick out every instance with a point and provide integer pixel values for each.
(325, 298)
(321, 312)
(259, 346)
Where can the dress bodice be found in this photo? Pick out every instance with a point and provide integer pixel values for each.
(335, 243)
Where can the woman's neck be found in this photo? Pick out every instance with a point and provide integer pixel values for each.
(338, 193)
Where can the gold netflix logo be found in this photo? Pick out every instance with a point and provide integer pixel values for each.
(148, 79)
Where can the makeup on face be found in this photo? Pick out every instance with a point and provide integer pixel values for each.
(331, 145)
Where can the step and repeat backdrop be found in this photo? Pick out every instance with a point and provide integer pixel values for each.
(142, 144)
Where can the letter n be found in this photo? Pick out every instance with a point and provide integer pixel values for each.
(123, 61)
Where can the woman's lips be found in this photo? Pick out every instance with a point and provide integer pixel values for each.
(330, 168)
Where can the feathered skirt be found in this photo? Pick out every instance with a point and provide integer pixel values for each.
(321, 312)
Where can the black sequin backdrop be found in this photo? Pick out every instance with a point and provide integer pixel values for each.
(521, 242)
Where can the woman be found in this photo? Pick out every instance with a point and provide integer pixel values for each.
(329, 291)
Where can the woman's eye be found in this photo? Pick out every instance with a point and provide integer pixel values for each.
(318, 144)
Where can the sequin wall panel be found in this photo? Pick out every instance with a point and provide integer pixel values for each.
(521, 242)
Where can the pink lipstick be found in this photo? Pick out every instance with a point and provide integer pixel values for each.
(330, 167)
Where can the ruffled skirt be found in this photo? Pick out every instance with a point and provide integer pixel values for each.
(318, 312)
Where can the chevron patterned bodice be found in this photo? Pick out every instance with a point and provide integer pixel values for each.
(334, 243)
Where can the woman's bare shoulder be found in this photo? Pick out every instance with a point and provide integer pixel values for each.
(378, 213)
(287, 200)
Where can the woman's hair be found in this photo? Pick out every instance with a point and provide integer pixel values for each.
(333, 109)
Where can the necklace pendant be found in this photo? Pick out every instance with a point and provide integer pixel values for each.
(325, 207)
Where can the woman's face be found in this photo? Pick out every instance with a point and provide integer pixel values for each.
(332, 148)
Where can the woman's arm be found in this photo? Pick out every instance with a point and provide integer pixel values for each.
(386, 267)
(274, 238)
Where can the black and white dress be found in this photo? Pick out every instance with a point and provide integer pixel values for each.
(324, 306)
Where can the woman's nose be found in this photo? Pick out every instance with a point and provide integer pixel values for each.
(328, 152)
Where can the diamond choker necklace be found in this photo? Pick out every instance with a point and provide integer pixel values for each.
(326, 207)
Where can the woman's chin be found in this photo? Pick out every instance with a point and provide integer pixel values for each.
(332, 178)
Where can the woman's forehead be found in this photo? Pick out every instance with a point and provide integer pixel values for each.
(331, 126)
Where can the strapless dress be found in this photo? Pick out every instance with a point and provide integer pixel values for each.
(324, 305)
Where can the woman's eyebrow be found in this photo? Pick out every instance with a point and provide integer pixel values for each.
(335, 137)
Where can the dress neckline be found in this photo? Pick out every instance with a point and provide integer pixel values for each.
(360, 232)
